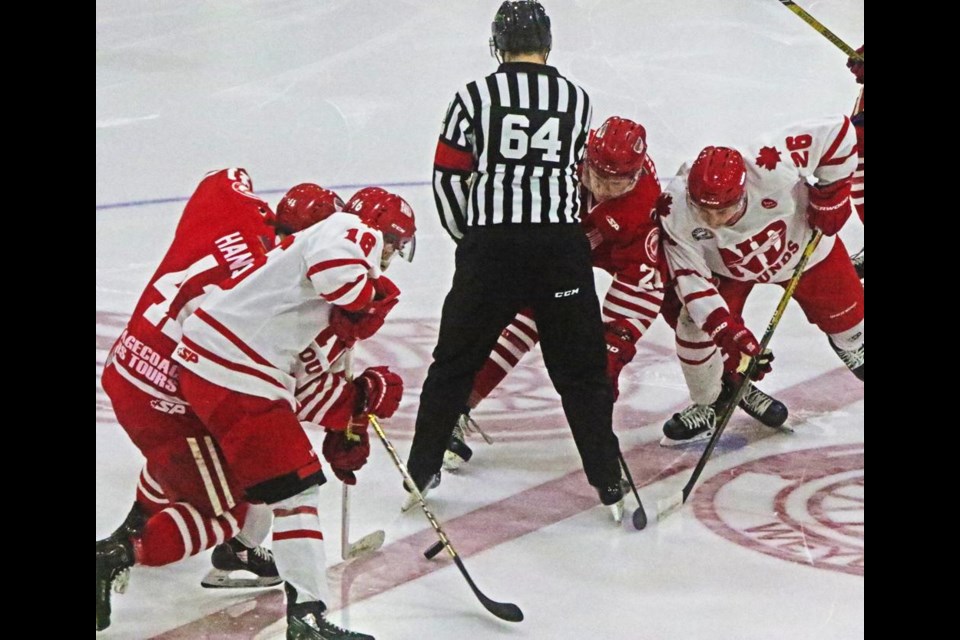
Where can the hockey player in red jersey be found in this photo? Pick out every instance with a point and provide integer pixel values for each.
(733, 220)
(619, 192)
(189, 481)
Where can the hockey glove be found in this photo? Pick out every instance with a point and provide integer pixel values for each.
(829, 206)
(345, 455)
(732, 364)
(734, 339)
(621, 348)
(379, 392)
(856, 66)
(351, 326)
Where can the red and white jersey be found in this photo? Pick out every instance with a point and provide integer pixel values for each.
(765, 244)
(625, 242)
(856, 193)
(248, 334)
(223, 232)
(324, 395)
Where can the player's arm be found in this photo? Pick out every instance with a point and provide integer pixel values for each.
(339, 267)
(634, 298)
(333, 402)
(693, 279)
(828, 153)
(454, 165)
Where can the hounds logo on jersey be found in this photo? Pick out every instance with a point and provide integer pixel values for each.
(756, 255)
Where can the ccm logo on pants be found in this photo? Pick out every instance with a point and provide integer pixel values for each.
(566, 294)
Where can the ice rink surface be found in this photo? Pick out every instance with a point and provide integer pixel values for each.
(350, 94)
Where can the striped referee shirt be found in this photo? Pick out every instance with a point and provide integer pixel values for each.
(509, 150)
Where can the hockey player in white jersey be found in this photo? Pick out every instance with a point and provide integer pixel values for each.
(241, 351)
(732, 220)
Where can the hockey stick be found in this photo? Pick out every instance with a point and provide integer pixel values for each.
(668, 505)
(822, 30)
(639, 516)
(503, 610)
(372, 541)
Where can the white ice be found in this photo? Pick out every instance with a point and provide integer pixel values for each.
(351, 93)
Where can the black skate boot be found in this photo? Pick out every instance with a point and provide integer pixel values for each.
(132, 525)
(114, 559)
(233, 556)
(612, 496)
(766, 409)
(428, 484)
(853, 359)
(458, 452)
(305, 621)
(696, 422)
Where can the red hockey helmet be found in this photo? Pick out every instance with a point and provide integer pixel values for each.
(305, 205)
(617, 148)
(390, 214)
(717, 178)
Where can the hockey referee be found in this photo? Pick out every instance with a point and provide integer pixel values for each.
(507, 190)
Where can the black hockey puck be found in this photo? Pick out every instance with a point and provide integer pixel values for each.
(639, 518)
(430, 553)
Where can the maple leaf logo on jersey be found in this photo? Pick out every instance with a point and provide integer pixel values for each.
(769, 158)
(664, 202)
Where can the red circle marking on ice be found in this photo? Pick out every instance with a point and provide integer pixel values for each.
(803, 506)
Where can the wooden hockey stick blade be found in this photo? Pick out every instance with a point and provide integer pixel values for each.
(503, 610)
(365, 545)
(669, 505)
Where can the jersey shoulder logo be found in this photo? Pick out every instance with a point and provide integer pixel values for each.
(702, 234)
(768, 159)
(652, 244)
(664, 202)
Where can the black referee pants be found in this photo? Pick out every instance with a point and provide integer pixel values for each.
(499, 271)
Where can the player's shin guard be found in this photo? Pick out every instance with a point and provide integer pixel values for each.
(298, 544)
(700, 361)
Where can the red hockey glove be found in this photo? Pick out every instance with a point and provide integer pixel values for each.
(351, 326)
(621, 349)
(856, 66)
(380, 391)
(731, 363)
(346, 456)
(734, 339)
(829, 206)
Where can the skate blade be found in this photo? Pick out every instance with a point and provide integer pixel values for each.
(666, 441)
(409, 503)
(451, 461)
(121, 581)
(219, 579)
(367, 544)
(616, 510)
